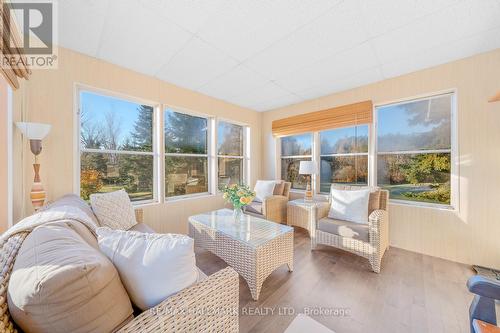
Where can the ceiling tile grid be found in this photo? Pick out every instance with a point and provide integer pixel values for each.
(268, 54)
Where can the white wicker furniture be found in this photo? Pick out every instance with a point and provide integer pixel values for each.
(302, 213)
(210, 305)
(254, 247)
(373, 248)
(273, 208)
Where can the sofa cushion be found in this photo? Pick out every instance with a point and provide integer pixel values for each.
(75, 201)
(345, 228)
(60, 283)
(151, 266)
(113, 210)
(254, 207)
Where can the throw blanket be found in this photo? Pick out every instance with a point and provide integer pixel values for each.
(12, 239)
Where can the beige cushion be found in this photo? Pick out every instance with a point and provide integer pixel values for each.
(60, 283)
(142, 227)
(345, 229)
(113, 210)
(279, 187)
(374, 202)
(254, 207)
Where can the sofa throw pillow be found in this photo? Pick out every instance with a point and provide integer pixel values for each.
(264, 189)
(349, 205)
(113, 210)
(60, 283)
(152, 266)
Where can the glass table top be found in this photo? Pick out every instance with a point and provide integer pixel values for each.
(250, 230)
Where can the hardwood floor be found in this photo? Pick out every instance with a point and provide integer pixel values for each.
(413, 293)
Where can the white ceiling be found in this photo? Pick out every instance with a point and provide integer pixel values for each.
(263, 54)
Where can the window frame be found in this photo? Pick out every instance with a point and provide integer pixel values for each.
(367, 154)
(314, 151)
(373, 153)
(208, 156)
(245, 157)
(454, 170)
(78, 89)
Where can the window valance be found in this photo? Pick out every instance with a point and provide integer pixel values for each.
(340, 116)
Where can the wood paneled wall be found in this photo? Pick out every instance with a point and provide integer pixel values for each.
(470, 234)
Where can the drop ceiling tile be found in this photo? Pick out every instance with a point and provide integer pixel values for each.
(261, 93)
(74, 29)
(330, 70)
(357, 80)
(189, 14)
(276, 102)
(459, 21)
(236, 82)
(337, 30)
(139, 39)
(382, 16)
(196, 64)
(243, 28)
(445, 53)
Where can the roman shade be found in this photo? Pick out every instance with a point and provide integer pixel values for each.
(340, 116)
(13, 61)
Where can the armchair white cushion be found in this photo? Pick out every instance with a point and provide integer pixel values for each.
(264, 189)
(349, 205)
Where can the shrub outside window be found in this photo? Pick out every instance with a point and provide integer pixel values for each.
(186, 154)
(414, 149)
(294, 149)
(230, 154)
(116, 146)
(343, 157)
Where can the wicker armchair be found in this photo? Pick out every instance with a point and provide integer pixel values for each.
(370, 241)
(274, 207)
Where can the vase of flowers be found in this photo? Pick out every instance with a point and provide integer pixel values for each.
(239, 196)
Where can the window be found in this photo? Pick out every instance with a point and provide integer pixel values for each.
(343, 157)
(230, 154)
(294, 149)
(117, 149)
(186, 154)
(414, 149)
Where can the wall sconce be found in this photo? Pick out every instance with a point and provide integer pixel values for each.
(35, 132)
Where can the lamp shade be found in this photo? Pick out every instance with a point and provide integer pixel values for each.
(34, 131)
(308, 168)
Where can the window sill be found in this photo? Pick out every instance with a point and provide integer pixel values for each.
(145, 203)
(427, 205)
(190, 197)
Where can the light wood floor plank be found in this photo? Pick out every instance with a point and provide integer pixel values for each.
(413, 293)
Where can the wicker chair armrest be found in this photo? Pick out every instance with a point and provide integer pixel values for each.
(323, 210)
(208, 306)
(378, 222)
(274, 208)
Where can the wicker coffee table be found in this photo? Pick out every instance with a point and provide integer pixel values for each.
(254, 247)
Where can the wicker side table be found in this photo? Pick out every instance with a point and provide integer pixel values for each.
(301, 213)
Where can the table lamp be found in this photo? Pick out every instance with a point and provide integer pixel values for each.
(308, 168)
(35, 132)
